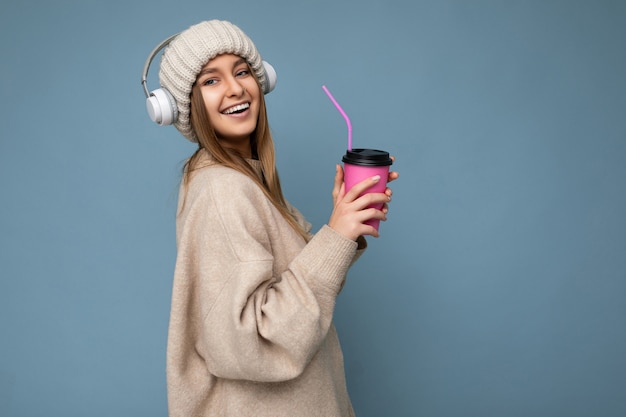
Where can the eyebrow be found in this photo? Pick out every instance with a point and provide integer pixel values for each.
(210, 70)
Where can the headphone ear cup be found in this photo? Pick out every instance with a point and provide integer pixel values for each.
(270, 78)
(162, 107)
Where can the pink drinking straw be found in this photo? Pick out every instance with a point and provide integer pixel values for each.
(343, 113)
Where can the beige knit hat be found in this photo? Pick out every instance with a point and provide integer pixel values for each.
(185, 56)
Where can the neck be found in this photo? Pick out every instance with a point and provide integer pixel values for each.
(241, 147)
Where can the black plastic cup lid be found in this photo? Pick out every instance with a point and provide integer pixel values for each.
(367, 157)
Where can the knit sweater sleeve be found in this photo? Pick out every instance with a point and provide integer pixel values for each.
(262, 300)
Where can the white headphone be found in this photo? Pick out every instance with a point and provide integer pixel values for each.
(160, 103)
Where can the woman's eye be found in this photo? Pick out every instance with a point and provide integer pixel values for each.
(242, 73)
(209, 81)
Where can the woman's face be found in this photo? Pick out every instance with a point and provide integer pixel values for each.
(231, 97)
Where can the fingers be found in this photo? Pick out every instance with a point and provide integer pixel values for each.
(338, 185)
(353, 224)
(361, 187)
(338, 176)
(359, 198)
(376, 200)
(393, 175)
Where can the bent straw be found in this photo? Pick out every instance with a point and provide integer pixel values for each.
(343, 113)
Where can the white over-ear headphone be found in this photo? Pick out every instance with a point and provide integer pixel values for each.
(160, 103)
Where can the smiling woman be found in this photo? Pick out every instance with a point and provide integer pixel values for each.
(231, 98)
(251, 325)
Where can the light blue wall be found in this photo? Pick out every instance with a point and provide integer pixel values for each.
(498, 285)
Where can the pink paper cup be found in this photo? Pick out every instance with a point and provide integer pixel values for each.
(359, 164)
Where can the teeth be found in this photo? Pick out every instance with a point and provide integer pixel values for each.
(239, 107)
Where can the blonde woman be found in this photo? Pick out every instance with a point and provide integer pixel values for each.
(251, 330)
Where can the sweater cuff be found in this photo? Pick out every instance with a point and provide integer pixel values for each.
(327, 258)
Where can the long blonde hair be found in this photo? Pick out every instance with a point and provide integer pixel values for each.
(262, 147)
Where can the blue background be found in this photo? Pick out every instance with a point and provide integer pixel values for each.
(497, 287)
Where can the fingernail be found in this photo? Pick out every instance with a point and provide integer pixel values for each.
(376, 178)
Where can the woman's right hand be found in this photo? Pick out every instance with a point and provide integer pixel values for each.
(351, 211)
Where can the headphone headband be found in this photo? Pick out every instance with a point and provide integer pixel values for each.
(146, 65)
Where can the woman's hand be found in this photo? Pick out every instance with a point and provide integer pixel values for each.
(351, 211)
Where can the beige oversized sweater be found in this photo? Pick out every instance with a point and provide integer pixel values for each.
(251, 330)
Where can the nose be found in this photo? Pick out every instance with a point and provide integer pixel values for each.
(234, 87)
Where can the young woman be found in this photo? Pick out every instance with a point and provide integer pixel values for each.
(251, 330)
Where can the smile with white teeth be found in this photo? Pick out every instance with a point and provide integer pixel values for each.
(237, 109)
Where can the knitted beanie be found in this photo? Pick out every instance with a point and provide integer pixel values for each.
(185, 56)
